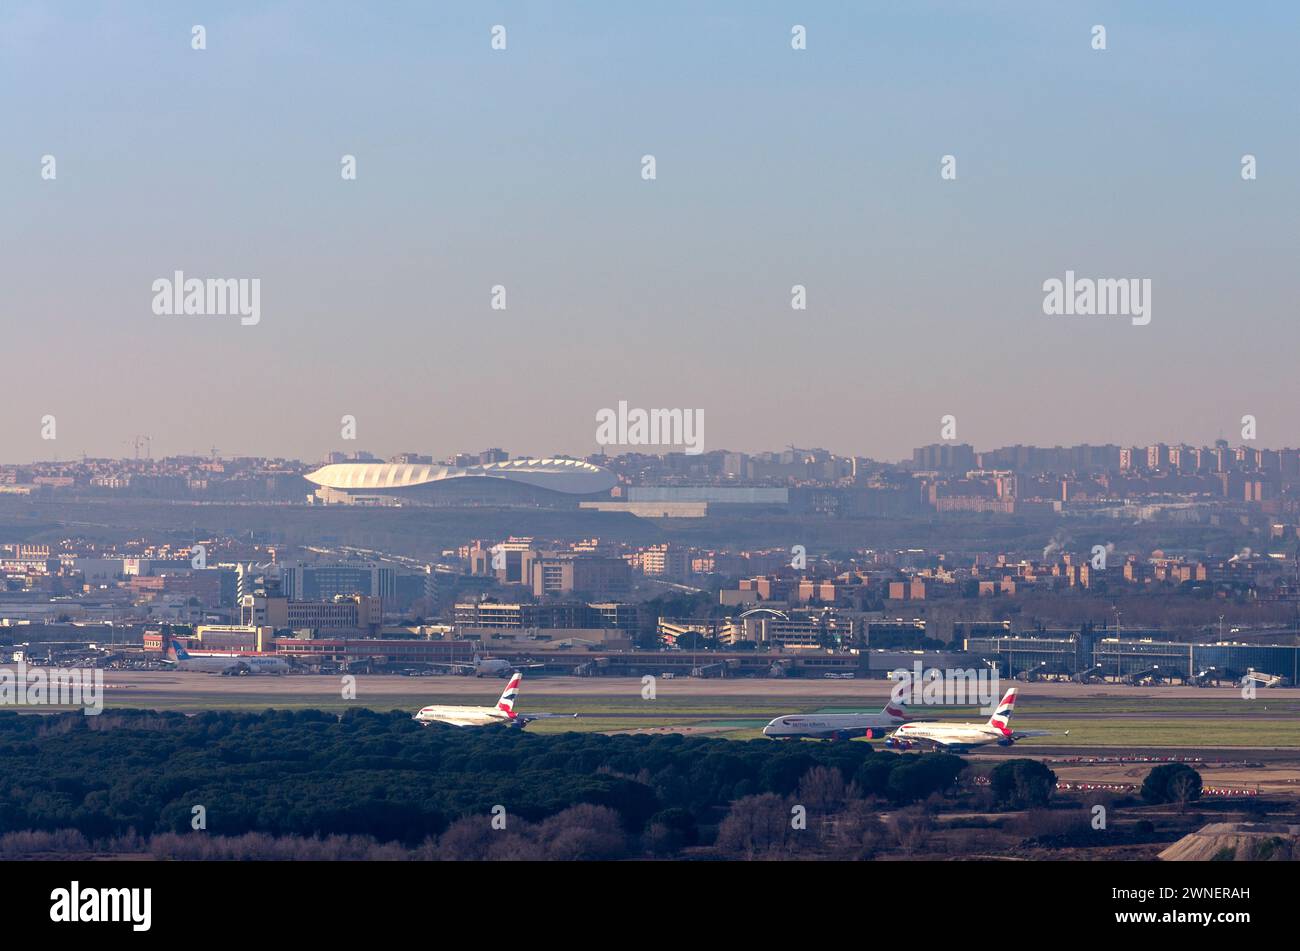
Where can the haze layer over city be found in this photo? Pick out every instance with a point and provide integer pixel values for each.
(522, 168)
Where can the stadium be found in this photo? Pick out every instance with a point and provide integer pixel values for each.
(558, 483)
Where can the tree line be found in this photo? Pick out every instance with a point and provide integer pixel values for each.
(364, 773)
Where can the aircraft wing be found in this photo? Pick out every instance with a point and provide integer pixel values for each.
(930, 742)
(522, 718)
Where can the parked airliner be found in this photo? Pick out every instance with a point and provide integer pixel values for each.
(838, 726)
(489, 666)
(965, 736)
(502, 714)
(178, 657)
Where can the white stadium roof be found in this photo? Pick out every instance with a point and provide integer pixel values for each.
(571, 476)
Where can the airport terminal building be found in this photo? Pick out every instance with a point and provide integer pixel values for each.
(1132, 658)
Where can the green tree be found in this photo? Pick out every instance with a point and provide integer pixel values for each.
(919, 777)
(1022, 783)
(1172, 782)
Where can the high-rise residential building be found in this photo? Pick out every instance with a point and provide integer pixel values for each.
(665, 560)
(559, 573)
(945, 457)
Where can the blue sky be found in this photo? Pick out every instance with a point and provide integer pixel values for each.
(522, 167)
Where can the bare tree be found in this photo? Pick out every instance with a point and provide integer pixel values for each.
(467, 839)
(583, 832)
(1184, 788)
(757, 827)
(858, 831)
(822, 789)
(912, 828)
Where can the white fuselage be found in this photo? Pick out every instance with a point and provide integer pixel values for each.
(220, 663)
(462, 716)
(831, 725)
(951, 734)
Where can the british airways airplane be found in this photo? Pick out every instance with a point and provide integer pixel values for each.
(838, 726)
(965, 736)
(502, 714)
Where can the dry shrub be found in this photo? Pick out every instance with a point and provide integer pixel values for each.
(29, 842)
(757, 827)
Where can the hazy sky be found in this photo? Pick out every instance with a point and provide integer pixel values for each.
(522, 168)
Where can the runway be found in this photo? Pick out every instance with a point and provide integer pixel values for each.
(1097, 716)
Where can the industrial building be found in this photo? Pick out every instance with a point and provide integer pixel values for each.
(350, 652)
(358, 614)
(1090, 654)
(493, 616)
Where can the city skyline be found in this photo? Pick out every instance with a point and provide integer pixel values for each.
(369, 454)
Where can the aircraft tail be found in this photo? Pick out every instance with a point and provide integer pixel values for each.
(172, 649)
(899, 698)
(1001, 719)
(507, 702)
